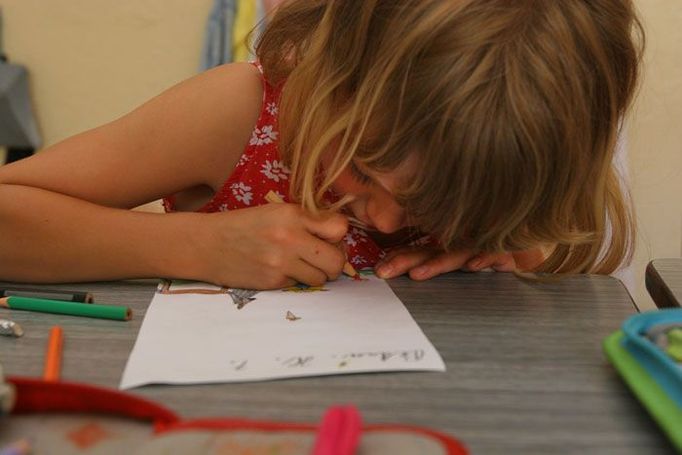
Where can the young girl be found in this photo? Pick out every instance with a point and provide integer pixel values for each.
(487, 125)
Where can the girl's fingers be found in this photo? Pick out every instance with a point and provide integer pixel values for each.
(424, 263)
(480, 261)
(529, 259)
(391, 254)
(503, 262)
(329, 226)
(401, 260)
(388, 257)
(305, 273)
(441, 263)
(326, 257)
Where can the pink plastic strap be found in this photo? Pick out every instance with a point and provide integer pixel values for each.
(339, 432)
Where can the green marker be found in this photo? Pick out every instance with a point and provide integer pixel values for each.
(92, 310)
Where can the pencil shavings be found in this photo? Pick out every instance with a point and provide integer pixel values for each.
(241, 297)
(10, 328)
(291, 316)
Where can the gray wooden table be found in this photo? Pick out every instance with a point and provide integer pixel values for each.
(525, 367)
(664, 282)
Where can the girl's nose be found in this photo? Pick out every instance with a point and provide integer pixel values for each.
(388, 218)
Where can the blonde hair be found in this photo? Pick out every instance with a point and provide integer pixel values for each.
(512, 108)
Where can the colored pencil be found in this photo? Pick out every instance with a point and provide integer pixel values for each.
(48, 294)
(348, 269)
(53, 355)
(92, 310)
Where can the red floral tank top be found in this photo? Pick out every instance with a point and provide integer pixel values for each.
(260, 170)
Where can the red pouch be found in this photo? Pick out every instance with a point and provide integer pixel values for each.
(71, 418)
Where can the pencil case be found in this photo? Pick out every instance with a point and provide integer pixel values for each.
(647, 352)
(72, 418)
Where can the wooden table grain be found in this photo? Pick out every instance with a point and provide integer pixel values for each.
(664, 282)
(525, 368)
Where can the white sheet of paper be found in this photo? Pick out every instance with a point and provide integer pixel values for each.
(354, 326)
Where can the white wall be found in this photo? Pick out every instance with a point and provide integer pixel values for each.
(655, 140)
(93, 60)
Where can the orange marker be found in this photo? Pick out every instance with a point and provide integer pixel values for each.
(53, 356)
(348, 269)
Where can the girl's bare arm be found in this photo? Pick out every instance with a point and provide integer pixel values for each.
(64, 212)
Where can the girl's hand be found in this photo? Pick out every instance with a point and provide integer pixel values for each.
(274, 246)
(422, 263)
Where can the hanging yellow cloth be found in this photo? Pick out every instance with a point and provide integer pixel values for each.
(245, 20)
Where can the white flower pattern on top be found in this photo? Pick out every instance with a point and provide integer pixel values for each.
(272, 108)
(261, 169)
(357, 260)
(421, 241)
(263, 136)
(355, 236)
(242, 192)
(243, 159)
(275, 170)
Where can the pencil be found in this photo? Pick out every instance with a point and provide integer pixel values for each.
(92, 310)
(275, 199)
(53, 355)
(49, 294)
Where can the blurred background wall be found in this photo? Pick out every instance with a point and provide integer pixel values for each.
(91, 61)
(655, 140)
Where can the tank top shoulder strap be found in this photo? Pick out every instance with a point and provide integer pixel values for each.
(271, 93)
